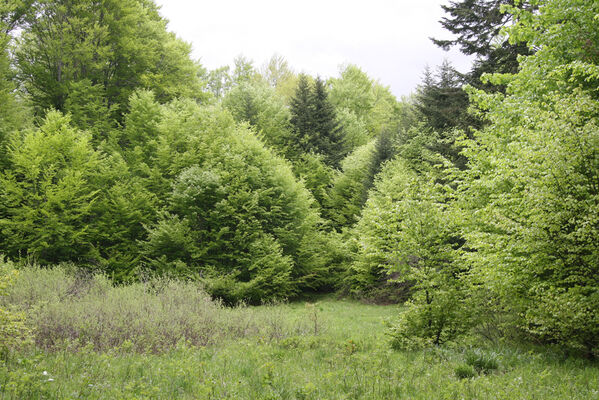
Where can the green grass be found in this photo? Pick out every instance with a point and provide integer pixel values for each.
(142, 342)
(347, 358)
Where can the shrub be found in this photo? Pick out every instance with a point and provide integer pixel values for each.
(431, 318)
(69, 311)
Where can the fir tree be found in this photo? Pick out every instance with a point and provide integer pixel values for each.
(441, 99)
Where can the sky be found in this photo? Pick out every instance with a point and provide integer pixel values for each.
(388, 39)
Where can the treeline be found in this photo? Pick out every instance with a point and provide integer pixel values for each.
(123, 155)
(475, 200)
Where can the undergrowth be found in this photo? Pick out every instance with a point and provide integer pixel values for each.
(168, 340)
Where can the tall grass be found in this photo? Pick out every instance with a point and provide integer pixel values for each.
(168, 340)
(70, 310)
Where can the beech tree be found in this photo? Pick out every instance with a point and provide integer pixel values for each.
(72, 52)
(530, 195)
(46, 197)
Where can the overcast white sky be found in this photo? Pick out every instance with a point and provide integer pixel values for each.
(388, 39)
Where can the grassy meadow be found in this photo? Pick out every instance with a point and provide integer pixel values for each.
(168, 340)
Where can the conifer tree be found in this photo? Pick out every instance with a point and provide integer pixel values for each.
(477, 25)
(315, 123)
(441, 99)
(329, 136)
(301, 109)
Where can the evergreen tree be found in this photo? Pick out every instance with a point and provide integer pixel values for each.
(314, 121)
(329, 136)
(477, 25)
(441, 99)
(301, 108)
(443, 105)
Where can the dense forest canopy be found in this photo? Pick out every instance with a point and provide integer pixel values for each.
(475, 200)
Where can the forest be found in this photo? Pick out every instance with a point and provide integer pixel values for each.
(151, 209)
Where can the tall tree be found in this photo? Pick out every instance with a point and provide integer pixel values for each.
(301, 108)
(443, 104)
(12, 13)
(315, 123)
(70, 52)
(531, 194)
(441, 100)
(477, 25)
(372, 104)
(13, 113)
(329, 135)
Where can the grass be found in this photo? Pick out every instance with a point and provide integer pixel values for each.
(328, 349)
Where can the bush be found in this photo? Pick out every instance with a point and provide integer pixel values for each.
(431, 318)
(67, 311)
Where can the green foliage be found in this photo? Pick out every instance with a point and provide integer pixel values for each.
(374, 233)
(258, 352)
(316, 175)
(315, 126)
(354, 128)
(46, 198)
(441, 100)
(477, 26)
(435, 314)
(464, 371)
(237, 218)
(13, 331)
(350, 188)
(120, 214)
(12, 113)
(368, 102)
(530, 197)
(279, 75)
(90, 109)
(68, 53)
(218, 81)
(483, 362)
(73, 311)
(260, 106)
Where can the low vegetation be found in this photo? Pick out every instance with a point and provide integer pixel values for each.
(165, 340)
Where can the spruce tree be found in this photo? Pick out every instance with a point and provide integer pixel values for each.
(477, 25)
(329, 136)
(301, 108)
(315, 125)
(441, 99)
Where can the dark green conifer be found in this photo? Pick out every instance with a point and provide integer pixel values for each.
(315, 123)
